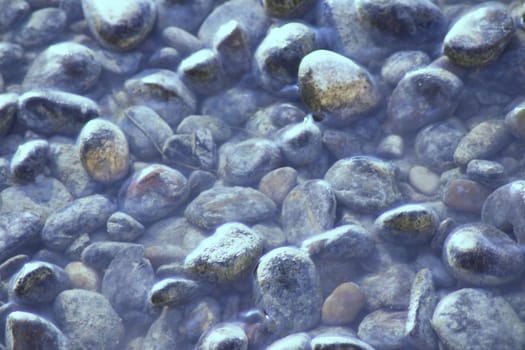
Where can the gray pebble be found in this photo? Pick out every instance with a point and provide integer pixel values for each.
(423, 96)
(8, 110)
(219, 205)
(516, 122)
(219, 130)
(342, 143)
(119, 62)
(181, 40)
(392, 146)
(153, 192)
(226, 336)
(38, 283)
(364, 184)
(18, 230)
(187, 15)
(460, 315)
(300, 143)
(487, 173)
(200, 316)
(335, 342)
(13, 11)
(25, 330)
(440, 275)
(197, 149)
(231, 43)
(164, 58)
(200, 181)
(268, 120)
(55, 112)
(81, 215)
(402, 62)
(173, 291)
(65, 66)
(480, 35)
(41, 28)
(100, 254)
(120, 25)
(10, 55)
(29, 160)
(307, 210)
(123, 227)
(384, 329)
(202, 72)
(272, 235)
(296, 341)
(11, 265)
(482, 255)
(277, 183)
(88, 320)
(162, 334)
(287, 288)
(227, 255)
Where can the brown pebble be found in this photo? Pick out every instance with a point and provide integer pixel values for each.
(343, 305)
(278, 183)
(82, 277)
(465, 195)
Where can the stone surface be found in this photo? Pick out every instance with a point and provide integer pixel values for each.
(18, 230)
(82, 277)
(219, 129)
(300, 143)
(8, 110)
(202, 72)
(231, 43)
(487, 173)
(343, 305)
(465, 195)
(41, 28)
(400, 63)
(25, 330)
(384, 329)
(296, 341)
(225, 336)
(287, 8)
(423, 180)
(388, 288)
(194, 151)
(173, 291)
(29, 160)
(277, 183)
(123, 227)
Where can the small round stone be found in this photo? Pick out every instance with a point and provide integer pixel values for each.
(400, 63)
(123, 227)
(488, 173)
(482, 255)
(423, 179)
(173, 291)
(277, 183)
(392, 146)
(30, 160)
(343, 305)
(104, 151)
(300, 143)
(82, 276)
(465, 195)
(202, 71)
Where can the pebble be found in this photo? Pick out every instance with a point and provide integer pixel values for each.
(164, 58)
(480, 35)
(162, 334)
(392, 146)
(277, 58)
(483, 141)
(231, 43)
(41, 28)
(8, 110)
(66, 66)
(163, 91)
(287, 8)
(173, 291)
(488, 173)
(384, 329)
(82, 277)
(153, 193)
(226, 336)
(515, 121)
(10, 54)
(85, 214)
(272, 235)
(181, 40)
(202, 72)
(435, 144)
(37, 283)
(219, 129)
(423, 96)
(465, 195)
(11, 265)
(55, 112)
(227, 255)
(364, 184)
(220, 205)
(407, 224)
(328, 342)
(402, 62)
(13, 12)
(482, 255)
(267, 121)
(308, 209)
(200, 316)
(88, 320)
(123, 227)
(343, 305)
(276, 184)
(342, 144)
(145, 131)
(324, 89)
(460, 315)
(287, 288)
(423, 179)
(29, 160)
(191, 150)
(344, 242)
(441, 277)
(296, 341)
(119, 62)
(300, 143)
(25, 330)
(120, 25)
(100, 254)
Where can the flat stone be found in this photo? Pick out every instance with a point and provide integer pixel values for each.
(296, 341)
(487, 173)
(173, 291)
(123, 227)
(82, 276)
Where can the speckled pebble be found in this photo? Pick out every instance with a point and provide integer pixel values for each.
(465, 195)
(343, 305)
(226, 336)
(123, 227)
(25, 330)
(384, 329)
(29, 160)
(423, 179)
(277, 183)
(82, 276)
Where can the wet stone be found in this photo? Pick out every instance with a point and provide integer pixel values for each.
(408, 224)
(423, 300)
(342, 144)
(296, 341)
(389, 288)
(42, 197)
(29, 160)
(161, 334)
(145, 131)
(332, 342)
(197, 149)
(300, 143)
(81, 215)
(476, 310)
(231, 43)
(487, 173)
(181, 40)
(25, 330)
(308, 209)
(343, 305)
(287, 288)
(227, 255)
(480, 35)
(225, 336)
(277, 183)
(202, 72)
(200, 316)
(482, 255)
(41, 28)
(164, 92)
(349, 241)
(423, 96)
(13, 11)
(325, 78)
(65, 66)
(8, 110)
(465, 195)
(248, 161)
(277, 58)
(88, 320)
(55, 112)
(219, 205)
(120, 25)
(364, 184)
(435, 144)
(153, 192)
(18, 230)
(123, 227)
(126, 284)
(220, 131)
(423, 180)
(173, 291)
(38, 283)
(82, 277)
(400, 63)
(384, 329)
(100, 254)
(504, 207)
(483, 141)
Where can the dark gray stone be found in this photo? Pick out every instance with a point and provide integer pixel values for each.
(200, 316)
(25, 330)
(88, 320)
(440, 275)
(384, 329)
(277, 183)
(231, 43)
(219, 129)
(8, 110)
(197, 149)
(482, 255)
(287, 288)
(123, 227)
(307, 210)
(10, 55)
(268, 120)
(13, 11)
(41, 28)
(29, 160)
(173, 291)
(164, 58)
(11, 265)
(202, 72)
(18, 230)
(81, 215)
(187, 15)
(342, 143)
(488, 173)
